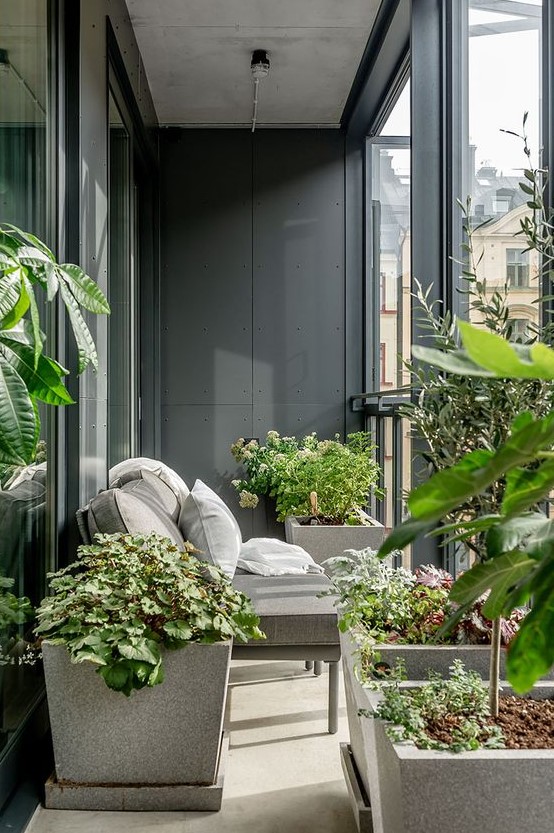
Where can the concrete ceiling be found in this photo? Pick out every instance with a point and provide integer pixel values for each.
(197, 58)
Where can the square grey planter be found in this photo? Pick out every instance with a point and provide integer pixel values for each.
(168, 734)
(366, 747)
(324, 542)
(493, 790)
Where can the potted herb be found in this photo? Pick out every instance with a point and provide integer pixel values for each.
(133, 612)
(321, 489)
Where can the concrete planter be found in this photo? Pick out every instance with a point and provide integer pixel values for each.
(364, 743)
(169, 734)
(324, 542)
(498, 791)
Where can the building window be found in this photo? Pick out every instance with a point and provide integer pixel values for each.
(517, 268)
(520, 329)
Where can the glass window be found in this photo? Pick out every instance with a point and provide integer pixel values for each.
(504, 68)
(389, 288)
(24, 185)
(517, 268)
(398, 122)
(122, 351)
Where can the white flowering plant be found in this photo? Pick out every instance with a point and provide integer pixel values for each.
(327, 479)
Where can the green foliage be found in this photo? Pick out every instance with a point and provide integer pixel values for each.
(341, 474)
(460, 703)
(518, 538)
(27, 375)
(14, 610)
(129, 596)
(379, 603)
(465, 409)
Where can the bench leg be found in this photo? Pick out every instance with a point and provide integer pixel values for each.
(309, 664)
(333, 697)
(318, 667)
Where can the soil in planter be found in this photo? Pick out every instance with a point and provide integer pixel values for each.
(318, 520)
(525, 723)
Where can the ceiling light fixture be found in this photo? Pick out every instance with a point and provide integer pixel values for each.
(259, 67)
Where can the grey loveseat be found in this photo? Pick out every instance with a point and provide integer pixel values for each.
(299, 624)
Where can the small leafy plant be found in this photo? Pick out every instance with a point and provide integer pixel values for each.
(129, 596)
(327, 479)
(450, 714)
(27, 374)
(386, 604)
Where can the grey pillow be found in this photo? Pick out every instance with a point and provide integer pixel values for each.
(134, 467)
(115, 511)
(207, 523)
(151, 489)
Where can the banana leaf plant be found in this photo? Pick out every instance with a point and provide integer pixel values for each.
(519, 567)
(27, 374)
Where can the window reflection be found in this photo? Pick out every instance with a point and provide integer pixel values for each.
(504, 83)
(121, 337)
(23, 202)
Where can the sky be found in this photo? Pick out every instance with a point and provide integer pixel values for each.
(504, 83)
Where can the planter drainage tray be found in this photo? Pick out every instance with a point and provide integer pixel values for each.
(356, 792)
(139, 798)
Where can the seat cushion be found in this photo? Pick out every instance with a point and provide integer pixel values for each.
(133, 469)
(116, 511)
(289, 608)
(210, 525)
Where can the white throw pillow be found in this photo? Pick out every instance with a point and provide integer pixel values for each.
(271, 557)
(131, 469)
(207, 523)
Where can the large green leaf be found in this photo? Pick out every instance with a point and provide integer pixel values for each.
(44, 381)
(506, 535)
(19, 422)
(35, 321)
(446, 489)
(541, 543)
(500, 574)
(17, 312)
(34, 241)
(506, 360)
(10, 291)
(527, 487)
(86, 291)
(403, 535)
(531, 654)
(23, 334)
(32, 256)
(453, 361)
(85, 343)
(449, 488)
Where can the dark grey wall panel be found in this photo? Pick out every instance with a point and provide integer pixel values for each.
(196, 441)
(206, 250)
(252, 296)
(298, 245)
(326, 419)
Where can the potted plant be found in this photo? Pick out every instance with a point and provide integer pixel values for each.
(519, 543)
(111, 628)
(321, 489)
(390, 615)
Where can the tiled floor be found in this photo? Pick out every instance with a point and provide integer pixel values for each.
(283, 773)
